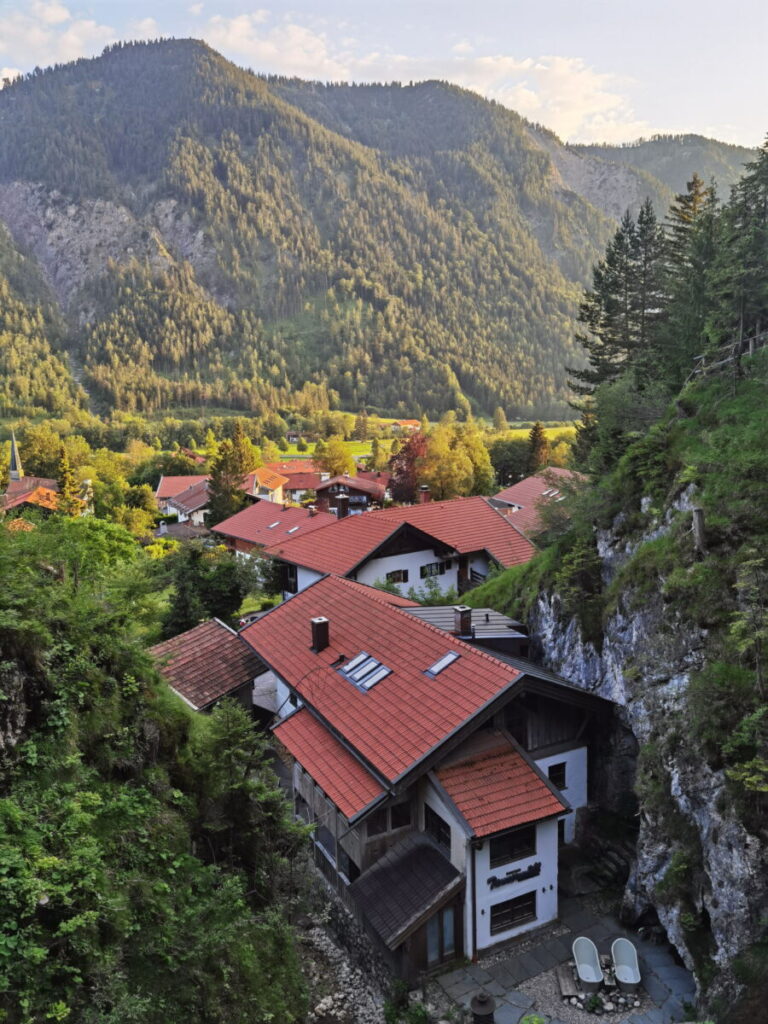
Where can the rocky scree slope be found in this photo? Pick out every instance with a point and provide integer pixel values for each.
(624, 605)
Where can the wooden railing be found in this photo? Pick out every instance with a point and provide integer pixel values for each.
(725, 355)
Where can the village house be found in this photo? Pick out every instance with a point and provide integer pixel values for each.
(36, 493)
(349, 495)
(265, 483)
(170, 486)
(525, 499)
(207, 663)
(303, 485)
(191, 504)
(266, 523)
(440, 779)
(451, 543)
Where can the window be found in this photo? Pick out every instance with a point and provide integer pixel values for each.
(291, 579)
(512, 913)
(364, 671)
(397, 576)
(437, 827)
(441, 936)
(556, 773)
(441, 663)
(432, 569)
(347, 866)
(401, 816)
(513, 846)
(377, 823)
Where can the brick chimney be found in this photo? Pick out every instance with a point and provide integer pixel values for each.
(342, 505)
(320, 633)
(462, 620)
(424, 495)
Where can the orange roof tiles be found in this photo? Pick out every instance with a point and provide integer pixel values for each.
(40, 497)
(29, 483)
(530, 494)
(499, 790)
(206, 663)
(464, 524)
(170, 486)
(337, 772)
(268, 522)
(351, 541)
(291, 466)
(467, 525)
(267, 478)
(401, 718)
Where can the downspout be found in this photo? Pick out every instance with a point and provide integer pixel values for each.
(474, 902)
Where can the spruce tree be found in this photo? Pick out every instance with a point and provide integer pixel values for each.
(499, 420)
(69, 504)
(538, 450)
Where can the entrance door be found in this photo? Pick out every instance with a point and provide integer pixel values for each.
(443, 936)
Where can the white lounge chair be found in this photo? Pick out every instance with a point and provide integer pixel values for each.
(588, 967)
(625, 965)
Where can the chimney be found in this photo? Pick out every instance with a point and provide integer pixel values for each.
(342, 505)
(425, 494)
(312, 509)
(462, 620)
(320, 633)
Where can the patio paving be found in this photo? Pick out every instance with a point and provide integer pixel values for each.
(668, 985)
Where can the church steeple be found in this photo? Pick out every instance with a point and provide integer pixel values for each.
(17, 471)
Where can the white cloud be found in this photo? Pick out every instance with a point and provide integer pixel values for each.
(195, 9)
(9, 73)
(147, 28)
(47, 33)
(564, 93)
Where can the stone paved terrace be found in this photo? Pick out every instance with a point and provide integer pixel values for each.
(667, 985)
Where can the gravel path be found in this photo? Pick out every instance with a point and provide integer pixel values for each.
(545, 990)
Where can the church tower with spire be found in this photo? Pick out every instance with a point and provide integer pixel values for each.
(17, 471)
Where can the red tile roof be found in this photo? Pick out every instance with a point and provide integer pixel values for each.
(303, 482)
(340, 548)
(338, 773)
(30, 483)
(40, 497)
(498, 790)
(206, 663)
(291, 466)
(467, 525)
(20, 526)
(265, 477)
(401, 718)
(534, 491)
(170, 486)
(268, 522)
(192, 499)
(356, 483)
(380, 476)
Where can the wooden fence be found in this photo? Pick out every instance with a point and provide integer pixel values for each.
(731, 352)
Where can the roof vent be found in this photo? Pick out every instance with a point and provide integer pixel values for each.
(442, 663)
(462, 620)
(320, 633)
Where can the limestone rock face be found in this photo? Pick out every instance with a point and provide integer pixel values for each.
(645, 663)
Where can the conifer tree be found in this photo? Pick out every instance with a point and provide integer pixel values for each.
(236, 458)
(69, 503)
(538, 449)
(499, 420)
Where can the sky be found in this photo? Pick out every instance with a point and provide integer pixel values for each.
(590, 70)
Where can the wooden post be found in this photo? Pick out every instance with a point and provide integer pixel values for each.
(699, 545)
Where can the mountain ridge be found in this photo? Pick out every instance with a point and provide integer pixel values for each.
(440, 268)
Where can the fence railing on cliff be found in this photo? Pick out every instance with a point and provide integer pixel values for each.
(732, 352)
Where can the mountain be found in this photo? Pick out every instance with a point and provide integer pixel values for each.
(674, 159)
(263, 244)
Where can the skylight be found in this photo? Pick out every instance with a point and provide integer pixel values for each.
(273, 525)
(364, 671)
(293, 529)
(441, 663)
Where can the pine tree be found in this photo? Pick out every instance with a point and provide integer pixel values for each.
(538, 449)
(225, 487)
(69, 503)
(499, 420)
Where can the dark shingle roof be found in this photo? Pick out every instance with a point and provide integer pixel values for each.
(207, 663)
(403, 886)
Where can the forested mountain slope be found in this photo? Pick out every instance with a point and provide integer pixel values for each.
(674, 159)
(260, 244)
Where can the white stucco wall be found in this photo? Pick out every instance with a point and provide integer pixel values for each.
(545, 885)
(271, 693)
(377, 569)
(304, 577)
(458, 830)
(575, 791)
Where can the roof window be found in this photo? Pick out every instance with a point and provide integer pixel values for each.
(444, 662)
(293, 529)
(273, 525)
(364, 671)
